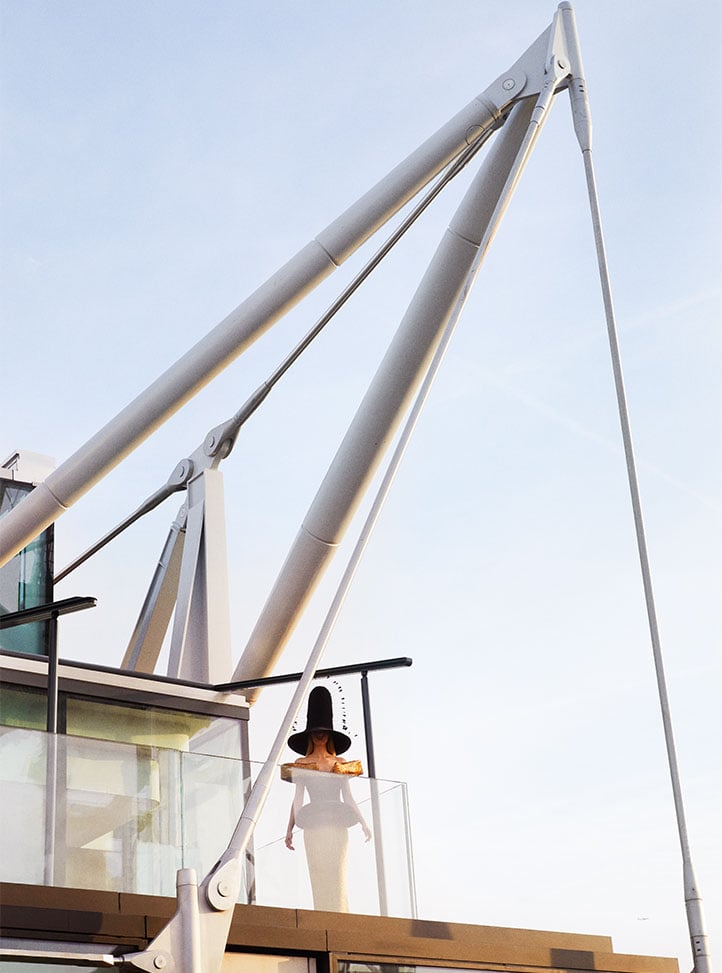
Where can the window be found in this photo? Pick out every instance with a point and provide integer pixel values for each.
(23, 707)
(26, 580)
(215, 736)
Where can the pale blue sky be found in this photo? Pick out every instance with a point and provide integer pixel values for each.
(159, 160)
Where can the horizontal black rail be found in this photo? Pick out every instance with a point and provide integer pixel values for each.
(229, 687)
(43, 613)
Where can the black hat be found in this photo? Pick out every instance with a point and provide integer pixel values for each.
(319, 717)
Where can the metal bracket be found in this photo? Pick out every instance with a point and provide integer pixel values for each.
(224, 885)
(194, 940)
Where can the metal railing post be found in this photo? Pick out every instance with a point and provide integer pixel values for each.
(375, 807)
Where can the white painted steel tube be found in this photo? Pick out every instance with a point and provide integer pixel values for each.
(249, 321)
(581, 114)
(190, 946)
(384, 404)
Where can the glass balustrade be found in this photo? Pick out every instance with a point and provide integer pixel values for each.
(92, 813)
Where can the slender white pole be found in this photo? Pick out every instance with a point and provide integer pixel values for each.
(693, 899)
(583, 129)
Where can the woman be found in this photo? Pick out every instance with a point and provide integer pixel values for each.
(331, 810)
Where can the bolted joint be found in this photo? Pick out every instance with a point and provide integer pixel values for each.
(223, 887)
(150, 961)
(220, 441)
(182, 473)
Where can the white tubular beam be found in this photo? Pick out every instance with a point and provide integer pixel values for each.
(200, 648)
(583, 127)
(146, 641)
(384, 404)
(251, 319)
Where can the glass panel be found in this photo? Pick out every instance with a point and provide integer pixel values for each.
(95, 814)
(26, 580)
(122, 817)
(212, 801)
(22, 808)
(375, 876)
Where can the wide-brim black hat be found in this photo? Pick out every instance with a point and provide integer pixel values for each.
(319, 717)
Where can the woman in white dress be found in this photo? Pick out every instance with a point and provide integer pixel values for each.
(331, 810)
